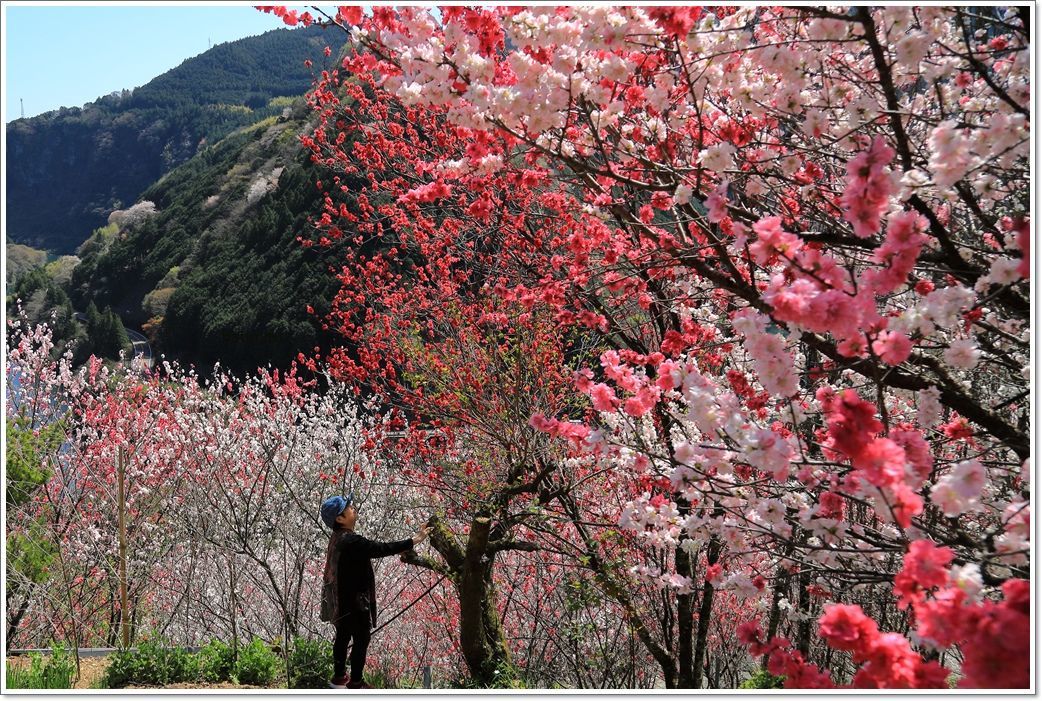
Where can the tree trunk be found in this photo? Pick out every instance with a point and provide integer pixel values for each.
(16, 619)
(232, 608)
(704, 613)
(685, 613)
(781, 585)
(619, 592)
(481, 632)
(803, 627)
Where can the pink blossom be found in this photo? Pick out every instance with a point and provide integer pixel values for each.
(962, 353)
(892, 347)
(661, 200)
(603, 397)
(925, 566)
(846, 627)
(852, 423)
(642, 402)
(1023, 242)
(950, 154)
(899, 252)
(917, 454)
(998, 646)
(882, 461)
(868, 189)
(716, 203)
(771, 240)
(941, 619)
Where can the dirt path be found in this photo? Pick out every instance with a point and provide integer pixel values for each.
(91, 671)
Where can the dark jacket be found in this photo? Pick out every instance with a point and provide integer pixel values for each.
(350, 562)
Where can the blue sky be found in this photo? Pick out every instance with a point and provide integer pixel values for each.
(66, 56)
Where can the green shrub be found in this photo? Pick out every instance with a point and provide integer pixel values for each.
(122, 670)
(54, 672)
(310, 664)
(256, 664)
(181, 665)
(151, 664)
(762, 679)
(217, 662)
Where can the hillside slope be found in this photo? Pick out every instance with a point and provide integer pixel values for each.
(216, 272)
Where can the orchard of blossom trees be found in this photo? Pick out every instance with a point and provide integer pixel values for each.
(701, 336)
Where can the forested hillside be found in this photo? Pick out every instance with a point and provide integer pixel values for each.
(208, 264)
(67, 170)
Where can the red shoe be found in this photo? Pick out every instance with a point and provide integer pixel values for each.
(338, 682)
(358, 685)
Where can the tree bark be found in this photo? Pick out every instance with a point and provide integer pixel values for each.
(469, 566)
(16, 619)
(704, 613)
(781, 585)
(803, 628)
(481, 632)
(685, 614)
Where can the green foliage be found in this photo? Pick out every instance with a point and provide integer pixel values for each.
(29, 552)
(310, 664)
(256, 664)
(243, 281)
(27, 457)
(244, 299)
(56, 671)
(21, 260)
(217, 662)
(151, 664)
(44, 300)
(106, 335)
(762, 679)
(377, 679)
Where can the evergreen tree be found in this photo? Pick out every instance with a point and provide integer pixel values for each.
(112, 336)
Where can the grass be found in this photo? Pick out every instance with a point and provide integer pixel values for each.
(54, 672)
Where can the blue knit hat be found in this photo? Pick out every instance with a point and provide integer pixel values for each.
(333, 507)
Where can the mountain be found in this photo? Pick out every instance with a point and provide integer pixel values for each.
(208, 263)
(67, 170)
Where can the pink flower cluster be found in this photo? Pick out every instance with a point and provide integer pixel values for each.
(869, 187)
(887, 659)
(644, 392)
(899, 252)
(774, 364)
(814, 293)
(880, 461)
(994, 636)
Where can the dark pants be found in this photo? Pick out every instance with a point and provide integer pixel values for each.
(353, 628)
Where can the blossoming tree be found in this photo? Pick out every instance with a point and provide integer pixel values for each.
(798, 239)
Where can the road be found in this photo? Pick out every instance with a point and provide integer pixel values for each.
(142, 351)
